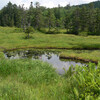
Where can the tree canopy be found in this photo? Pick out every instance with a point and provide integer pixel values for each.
(75, 19)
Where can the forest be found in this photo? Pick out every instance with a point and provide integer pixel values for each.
(81, 19)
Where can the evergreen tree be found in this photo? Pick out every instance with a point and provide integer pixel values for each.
(83, 18)
(23, 17)
(74, 18)
(51, 19)
(38, 21)
(97, 23)
(76, 21)
(30, 15)
(91, 18)
(67, 23)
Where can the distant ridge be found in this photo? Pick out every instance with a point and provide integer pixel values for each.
(96, 4)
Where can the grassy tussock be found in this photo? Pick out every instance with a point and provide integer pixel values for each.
(85, 54)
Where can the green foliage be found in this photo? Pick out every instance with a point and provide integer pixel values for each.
(51, 19)
(96, 4)
(75, 19)
(83, 34)
(38, 16)
(10, 15)
(53, 31)
(18, 30)
(29, 30)
(85, 82)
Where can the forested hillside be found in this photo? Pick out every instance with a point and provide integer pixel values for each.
(82, 19)
(96, 4)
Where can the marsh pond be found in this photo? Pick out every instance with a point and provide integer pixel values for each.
(51, 57)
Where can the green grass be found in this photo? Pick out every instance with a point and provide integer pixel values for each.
(84, 54)
(30, 80)
(14, 38)
(1, 55)
(36, 80)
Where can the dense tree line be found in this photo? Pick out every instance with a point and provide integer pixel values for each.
(75, 19)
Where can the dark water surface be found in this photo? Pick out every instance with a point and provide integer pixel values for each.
(47, 56)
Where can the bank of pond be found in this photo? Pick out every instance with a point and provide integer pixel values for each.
(52, 57)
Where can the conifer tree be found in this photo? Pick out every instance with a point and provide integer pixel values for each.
(51, 19)
(38, 21)
(76, 21)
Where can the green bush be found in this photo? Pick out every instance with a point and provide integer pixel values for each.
(53, 31)
(18, 30)
(85, 82)
(83, 34)
(28, 31)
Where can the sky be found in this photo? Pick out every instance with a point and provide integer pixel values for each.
(46, 3)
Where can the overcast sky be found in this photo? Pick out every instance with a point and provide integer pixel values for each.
(46, 3)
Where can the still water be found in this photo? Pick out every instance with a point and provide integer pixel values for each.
(46, 56)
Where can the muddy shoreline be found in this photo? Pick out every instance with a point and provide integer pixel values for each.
(5, 49)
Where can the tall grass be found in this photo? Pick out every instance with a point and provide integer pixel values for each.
(28, 71)
(36, 80)
(29, 80)
(1, 55)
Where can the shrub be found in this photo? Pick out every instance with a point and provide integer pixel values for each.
(28, 31)
(83, 34)
(85, 82)
(18, 30)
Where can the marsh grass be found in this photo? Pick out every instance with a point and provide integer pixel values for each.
(1, 55)
(29, 80)
(36, 80)
(26, 70)
(83, 54)
(14, 38)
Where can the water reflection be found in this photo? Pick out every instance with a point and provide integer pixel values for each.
(46, 56)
